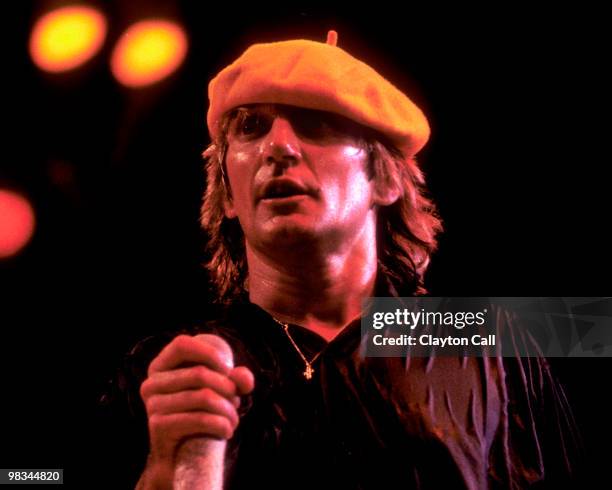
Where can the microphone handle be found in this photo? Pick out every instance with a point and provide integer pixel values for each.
(200, 463)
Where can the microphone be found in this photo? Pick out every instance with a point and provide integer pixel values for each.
(200, 460)
(200, 464)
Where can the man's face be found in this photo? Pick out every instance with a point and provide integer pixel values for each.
(297, 175)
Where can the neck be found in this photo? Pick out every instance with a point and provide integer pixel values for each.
(323, 293)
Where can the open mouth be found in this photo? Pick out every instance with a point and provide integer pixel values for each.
(283, 190)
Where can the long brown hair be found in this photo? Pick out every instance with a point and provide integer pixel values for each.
(406, 234)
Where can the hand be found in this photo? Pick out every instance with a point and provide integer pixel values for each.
(192, 390)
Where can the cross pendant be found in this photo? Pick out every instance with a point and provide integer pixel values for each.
(308, 372)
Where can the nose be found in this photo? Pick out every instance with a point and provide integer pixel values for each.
(281, 146)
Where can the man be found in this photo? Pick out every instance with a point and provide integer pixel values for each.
(315, 203)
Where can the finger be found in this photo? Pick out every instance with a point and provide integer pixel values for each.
(236, 401)
(177, 426)
(187, 379)
(243, 378)
(185, 349)
(204, 400)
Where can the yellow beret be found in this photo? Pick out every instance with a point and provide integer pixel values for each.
(317, 76)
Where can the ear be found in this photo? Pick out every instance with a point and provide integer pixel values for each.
(228, 202)
(228, 207)
(385, 195)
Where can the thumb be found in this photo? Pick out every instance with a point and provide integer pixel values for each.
(221, 346)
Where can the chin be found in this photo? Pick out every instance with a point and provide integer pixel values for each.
(290, 230)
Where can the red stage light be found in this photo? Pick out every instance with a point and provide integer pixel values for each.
(16, 222)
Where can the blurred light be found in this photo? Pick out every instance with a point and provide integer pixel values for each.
(16, 222)
(148, 52)
(67, 37)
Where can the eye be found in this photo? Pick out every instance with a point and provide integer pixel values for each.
(313, 124)
(322, 126)
(252, 124)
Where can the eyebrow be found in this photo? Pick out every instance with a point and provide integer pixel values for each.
(254, 108)
(339, 124)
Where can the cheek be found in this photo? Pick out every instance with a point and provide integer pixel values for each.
(353, 152)
(350, 190)
(358, 192)
(237, 165)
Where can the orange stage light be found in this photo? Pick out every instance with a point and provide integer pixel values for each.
(148, 52)
(67, 37)
(16, 222)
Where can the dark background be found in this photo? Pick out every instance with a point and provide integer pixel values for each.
(517, 164)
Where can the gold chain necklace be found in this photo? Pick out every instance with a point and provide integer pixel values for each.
(309, 371)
